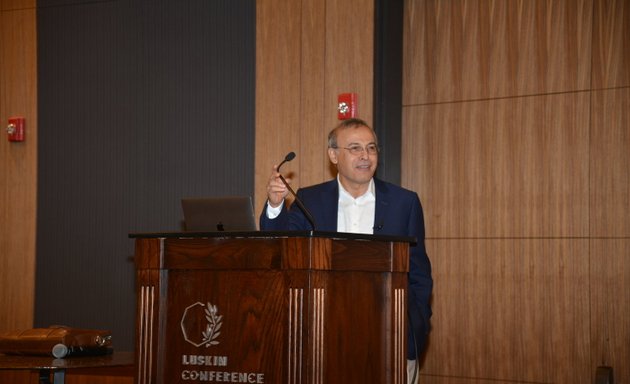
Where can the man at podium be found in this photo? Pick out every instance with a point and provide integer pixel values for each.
(357, 202)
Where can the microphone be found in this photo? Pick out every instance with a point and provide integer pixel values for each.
(290, 156)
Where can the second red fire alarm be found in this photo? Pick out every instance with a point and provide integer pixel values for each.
(15, 129)
(347, 106)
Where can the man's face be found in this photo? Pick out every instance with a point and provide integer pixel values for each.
(355, 170)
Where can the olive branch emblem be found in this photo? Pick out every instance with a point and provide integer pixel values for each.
(213, 327)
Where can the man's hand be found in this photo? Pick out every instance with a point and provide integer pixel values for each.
(276, 190)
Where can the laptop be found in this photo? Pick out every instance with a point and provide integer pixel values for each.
(209, 214)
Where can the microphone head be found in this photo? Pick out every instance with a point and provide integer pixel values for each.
(290, 156)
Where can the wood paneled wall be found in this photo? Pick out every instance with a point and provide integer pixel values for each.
(18, 163)
(18, 170)
(516, 131)
(307, 53)
(516, 134)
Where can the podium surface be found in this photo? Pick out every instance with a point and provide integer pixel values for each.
(271, 307)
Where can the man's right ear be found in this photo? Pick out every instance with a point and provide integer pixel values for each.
(332, 155)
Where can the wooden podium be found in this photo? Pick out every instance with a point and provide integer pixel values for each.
(271, 307)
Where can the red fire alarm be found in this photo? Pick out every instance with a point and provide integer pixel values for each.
(15, 129)
(347, 106)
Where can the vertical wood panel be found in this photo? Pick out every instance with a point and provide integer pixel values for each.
(610, 307)
(307, 53)
(278, 93)
(500, 168)
(18, 165)
(543, 176)
(349, 55)
(610, 162)
(510, 311)
(313, 129)
(472, 49)
(611, 44)
(349, 63)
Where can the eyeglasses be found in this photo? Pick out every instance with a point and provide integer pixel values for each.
(371, 149)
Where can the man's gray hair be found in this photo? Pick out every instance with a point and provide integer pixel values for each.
(348, 123)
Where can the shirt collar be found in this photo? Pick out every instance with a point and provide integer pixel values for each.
(345, 196)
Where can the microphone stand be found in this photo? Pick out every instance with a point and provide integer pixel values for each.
(308, 215)
(290, 156)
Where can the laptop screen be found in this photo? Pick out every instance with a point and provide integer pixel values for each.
(209, 214)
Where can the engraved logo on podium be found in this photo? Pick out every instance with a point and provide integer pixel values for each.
(198, 332)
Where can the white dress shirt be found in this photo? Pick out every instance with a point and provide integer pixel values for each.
(356, 215)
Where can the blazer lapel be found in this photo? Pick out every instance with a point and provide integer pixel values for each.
(326, 212)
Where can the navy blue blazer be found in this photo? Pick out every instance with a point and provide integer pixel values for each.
(398, 212)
